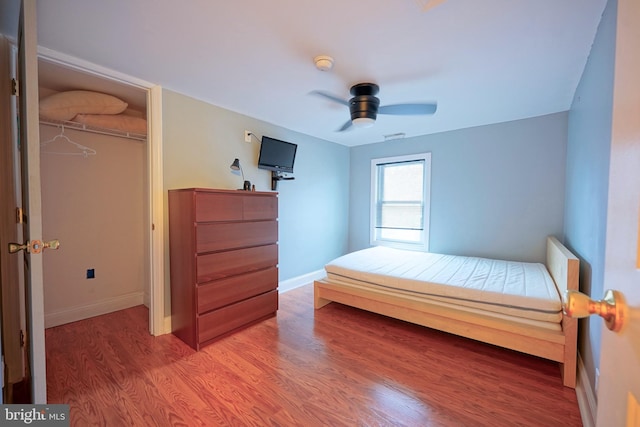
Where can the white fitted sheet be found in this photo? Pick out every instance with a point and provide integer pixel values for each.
(519, 289)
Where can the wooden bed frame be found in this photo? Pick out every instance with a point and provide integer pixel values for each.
(559, 346)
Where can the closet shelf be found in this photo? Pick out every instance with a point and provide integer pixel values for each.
(94, 129)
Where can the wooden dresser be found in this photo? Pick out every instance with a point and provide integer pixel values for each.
(224, 257)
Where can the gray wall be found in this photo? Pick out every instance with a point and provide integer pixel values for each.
(200, 142)
(588, 153)
(496, 190)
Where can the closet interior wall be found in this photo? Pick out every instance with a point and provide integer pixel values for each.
(95, 204)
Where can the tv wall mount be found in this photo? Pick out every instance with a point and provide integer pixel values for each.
(278, 176)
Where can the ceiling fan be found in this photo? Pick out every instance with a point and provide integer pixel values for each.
(365, 106)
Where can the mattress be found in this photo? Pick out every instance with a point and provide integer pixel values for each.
(518, 289)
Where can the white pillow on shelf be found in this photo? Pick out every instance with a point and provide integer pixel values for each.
(66, 105)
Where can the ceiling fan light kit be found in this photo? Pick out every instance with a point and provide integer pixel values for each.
(363, 122)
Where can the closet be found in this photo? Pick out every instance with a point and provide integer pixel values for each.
(94, 201)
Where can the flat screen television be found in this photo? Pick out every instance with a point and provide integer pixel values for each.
(276, 155)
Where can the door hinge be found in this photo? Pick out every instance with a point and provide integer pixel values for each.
(15, 88)
(19, 216)
(21, 338)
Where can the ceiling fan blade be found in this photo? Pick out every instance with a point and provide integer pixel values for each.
(330, 97)
(408, 109)
(344, 127)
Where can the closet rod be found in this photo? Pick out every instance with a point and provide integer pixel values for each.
(93, 129)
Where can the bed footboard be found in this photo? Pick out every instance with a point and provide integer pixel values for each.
(564, 267)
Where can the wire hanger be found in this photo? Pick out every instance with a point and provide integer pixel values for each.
(82, 150)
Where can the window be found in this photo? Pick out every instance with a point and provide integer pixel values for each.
(400, 199)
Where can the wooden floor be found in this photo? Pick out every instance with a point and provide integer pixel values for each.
(337, 366)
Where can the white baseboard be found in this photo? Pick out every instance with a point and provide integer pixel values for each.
(296, 282)
(587, 401)
(104, 306)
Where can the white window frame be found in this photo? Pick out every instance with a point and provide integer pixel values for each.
(423, 245)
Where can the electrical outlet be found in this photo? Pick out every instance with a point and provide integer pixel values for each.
(247, 136)
(91, 273)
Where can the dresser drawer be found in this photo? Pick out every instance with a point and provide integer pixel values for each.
(260, 207)
(223, 292)
(219, 265)
(235, 207)
(218, 207)
(226, 319)
(231, 235)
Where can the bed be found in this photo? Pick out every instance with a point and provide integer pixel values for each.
(513, 305)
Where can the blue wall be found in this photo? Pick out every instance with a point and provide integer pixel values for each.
(588, 152)
(313, 208)
(496, 190)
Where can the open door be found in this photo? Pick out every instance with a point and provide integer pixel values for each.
(31, 218)
(10, 289)
(619, 384)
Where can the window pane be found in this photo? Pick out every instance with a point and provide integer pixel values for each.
(402, 181)
(400, 201)
(400, 195)
(400, 215)
(411, 236)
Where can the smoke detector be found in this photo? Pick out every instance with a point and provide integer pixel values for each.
(323, 62)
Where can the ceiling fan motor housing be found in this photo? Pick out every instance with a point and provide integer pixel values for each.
(364, 103)
(364, 106)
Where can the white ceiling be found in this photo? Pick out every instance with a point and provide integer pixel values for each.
(482, 61)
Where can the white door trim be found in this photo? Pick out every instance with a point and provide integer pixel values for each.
(155, 175)
(78, 64)
(157, 323)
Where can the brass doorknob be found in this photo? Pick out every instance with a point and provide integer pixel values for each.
(17, 247)
(612, 308)
(33, 246)
(51, 244)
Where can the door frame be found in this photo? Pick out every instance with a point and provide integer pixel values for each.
(158, 325)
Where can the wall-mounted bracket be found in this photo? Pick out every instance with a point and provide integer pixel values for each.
(277, 176)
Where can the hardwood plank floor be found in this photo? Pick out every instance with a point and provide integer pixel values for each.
(337, 366)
